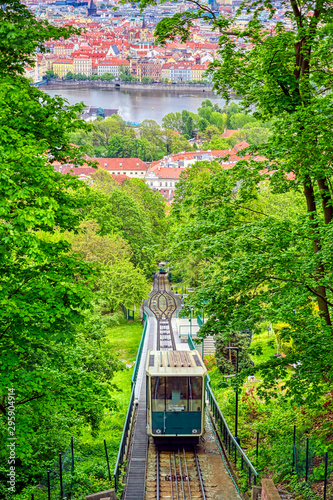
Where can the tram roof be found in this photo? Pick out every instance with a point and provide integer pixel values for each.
(188, 363)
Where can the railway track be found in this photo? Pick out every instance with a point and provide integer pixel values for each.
(178, 475)
(163, 304)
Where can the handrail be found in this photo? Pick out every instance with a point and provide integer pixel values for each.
(123, 440)
(124, 436)
(230, 441)
(139, 354)
(190, 342)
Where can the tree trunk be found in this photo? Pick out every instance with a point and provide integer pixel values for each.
(326, 199)
(320, 271)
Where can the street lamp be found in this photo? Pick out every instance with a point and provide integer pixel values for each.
(228, 376)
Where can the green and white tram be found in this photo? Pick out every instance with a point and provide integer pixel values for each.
(175, 394)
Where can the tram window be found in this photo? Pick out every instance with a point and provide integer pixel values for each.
(176, 394)
(158, 393)
(195, 393)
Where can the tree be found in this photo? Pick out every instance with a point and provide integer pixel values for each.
(216, 143)
(253, 133)
(70, 75)
(176, 142)
(122, 283)
(125, 74)
(55, 365)
(107, 76)
(219, 120)
(286, 74)
(152, 132)
(239, 120)
(51, 74)
(153, 204)
(118, 213)
(172, 121)
(119, 281)
(211, 131)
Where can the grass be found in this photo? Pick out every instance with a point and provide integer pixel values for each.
(264, 345)
(124, 339)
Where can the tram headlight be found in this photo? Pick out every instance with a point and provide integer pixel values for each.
(195, 431)
(158, 431)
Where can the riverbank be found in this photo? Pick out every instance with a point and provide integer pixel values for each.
(105, 85)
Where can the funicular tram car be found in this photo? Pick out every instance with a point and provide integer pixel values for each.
(175, 395)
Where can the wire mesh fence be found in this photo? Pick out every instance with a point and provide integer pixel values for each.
(74, 470)
(313, 466)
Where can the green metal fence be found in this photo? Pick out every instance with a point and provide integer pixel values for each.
(230, 442)
(125, 434)
(128, 313)
(138, 357)
(236, 453)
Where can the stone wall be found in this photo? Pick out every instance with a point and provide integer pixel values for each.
(93, 84)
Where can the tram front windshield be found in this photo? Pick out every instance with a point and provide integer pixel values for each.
(176, 393)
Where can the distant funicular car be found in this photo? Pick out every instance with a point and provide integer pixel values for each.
(175, 395)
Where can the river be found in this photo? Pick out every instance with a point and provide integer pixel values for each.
(137, 105)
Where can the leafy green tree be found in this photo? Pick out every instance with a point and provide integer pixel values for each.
(253, 133)
(70, 75)
(125, 74)
(205, 112)
(176, 142)
(285, 74)
(118, 213)
(217, 143)
(121, 283)
(54, 364)
(211, 131)
(112, 255)
(238, 120)
(51, 74)
(107, 76)
(172, 121)
(219, 120)
(203, 124)
(152, 132)
(152, 202)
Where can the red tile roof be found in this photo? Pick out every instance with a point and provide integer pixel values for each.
(121, 164)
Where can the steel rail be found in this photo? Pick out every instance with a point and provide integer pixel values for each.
(158, 474)
(187, 476)
(199, 474)
(171, 476)
(176, 478)
(181, 474)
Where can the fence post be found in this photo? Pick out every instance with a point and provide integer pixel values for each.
(60, 477)
(72, 449)
(307, 459)
(48, 485)
(107, 459)
(257, 446)
(325, 481)
(294, 444)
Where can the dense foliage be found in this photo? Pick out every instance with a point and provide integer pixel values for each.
(261, 232)
(58, 291)
(113, 138)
